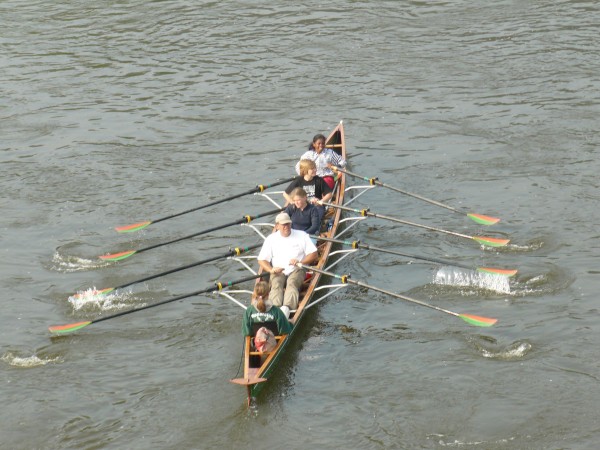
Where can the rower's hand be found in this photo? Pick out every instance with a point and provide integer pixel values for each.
(294, 262)
(276, 270)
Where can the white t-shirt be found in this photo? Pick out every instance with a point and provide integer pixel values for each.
(279, 250)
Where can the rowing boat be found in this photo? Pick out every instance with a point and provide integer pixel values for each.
(258, 366)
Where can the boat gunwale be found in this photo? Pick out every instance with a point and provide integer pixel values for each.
(269, 364)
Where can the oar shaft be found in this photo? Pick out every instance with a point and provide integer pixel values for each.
(258, 188)
(375, 181)
(345, 279)
(417, 196)
(418, 225)
(246, 219)
(367, 213)
(231, 252)
(477, 218)
(217, 286)
(358, 244)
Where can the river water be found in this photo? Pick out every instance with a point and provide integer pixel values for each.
(116, 112)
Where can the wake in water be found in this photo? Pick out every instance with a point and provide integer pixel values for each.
(67, 264)
(488, 348)
(451, 276)
(28, 361)
(543, 281)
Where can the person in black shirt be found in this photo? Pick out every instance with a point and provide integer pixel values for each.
(316, 188)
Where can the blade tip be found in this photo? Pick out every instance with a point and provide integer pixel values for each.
(483, 220)
(117, 256)
(60, 329)
(132, 227)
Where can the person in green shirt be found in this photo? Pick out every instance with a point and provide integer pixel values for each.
(261, 310)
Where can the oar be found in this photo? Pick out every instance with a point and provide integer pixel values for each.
(231, 252)
(217, 286)
(483, 240)
(469, 318)
(128, 253)
(141, 225)
(479, 218)
(357, 244)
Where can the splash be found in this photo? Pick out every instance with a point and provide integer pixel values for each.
(514, 351)
(27, 362)
(451, 276)
(94, 300)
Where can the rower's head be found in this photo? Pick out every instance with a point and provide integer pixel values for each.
(318, 143)
(308, 169)
(283, 223)
(260, 295)
(299, 198)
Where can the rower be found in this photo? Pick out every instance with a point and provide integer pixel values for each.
(324, 159)
(305, 217)
(316, 188)
(278, 256)
(262, 313)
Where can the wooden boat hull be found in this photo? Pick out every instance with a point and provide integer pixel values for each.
(255, 378)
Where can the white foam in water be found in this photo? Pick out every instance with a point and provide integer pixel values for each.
(26, 362)
(90, 299)
(515, 351)
(456, 277)
(75, 264)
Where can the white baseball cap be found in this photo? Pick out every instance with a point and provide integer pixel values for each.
(283, 218)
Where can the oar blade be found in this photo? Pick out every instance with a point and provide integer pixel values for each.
(93, 292)
(495, 271)
(117, 256)
(483, 220)
(491, 242)
(133, 227)
(69, 328)
(478, 321)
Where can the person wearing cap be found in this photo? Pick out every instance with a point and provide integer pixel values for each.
(279, 255)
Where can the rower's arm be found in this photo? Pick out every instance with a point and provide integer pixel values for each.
(327, 197)
(310, 258)
(265, 266)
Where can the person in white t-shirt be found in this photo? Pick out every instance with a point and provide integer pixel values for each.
(279, 255)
